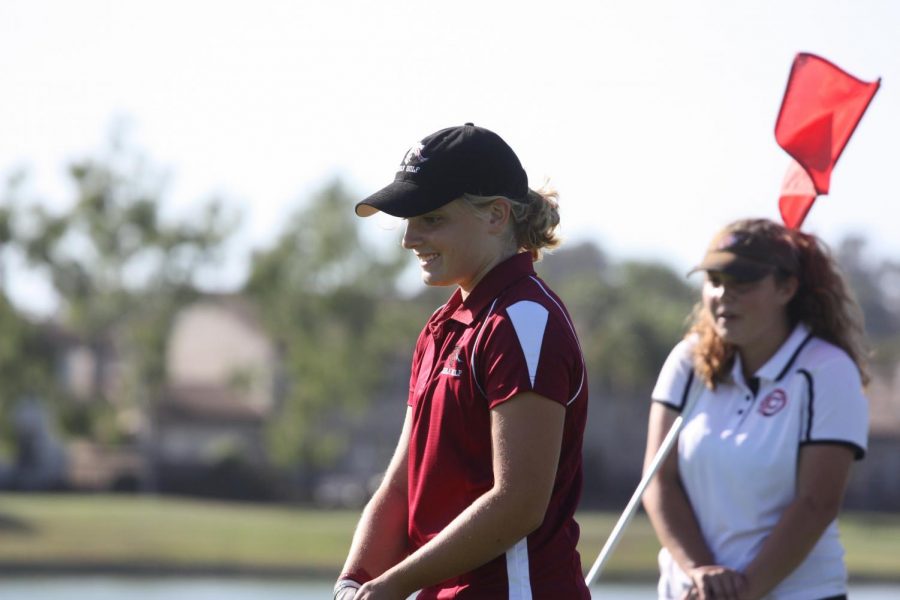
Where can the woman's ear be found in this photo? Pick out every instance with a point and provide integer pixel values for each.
(498, 215)
(787, 288)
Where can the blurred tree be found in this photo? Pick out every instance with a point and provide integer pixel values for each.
(5, 238)
(876, 284)
(648, 315)
(119, 270)
(332, 302)
(628, 315)
(25, 366)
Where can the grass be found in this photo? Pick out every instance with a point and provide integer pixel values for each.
(117, 532)
(134, 534)
(871, 542)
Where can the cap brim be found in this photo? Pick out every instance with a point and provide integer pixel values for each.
(740, 268)
(403, 199)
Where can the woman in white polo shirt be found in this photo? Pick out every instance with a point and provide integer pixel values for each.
(774, 365)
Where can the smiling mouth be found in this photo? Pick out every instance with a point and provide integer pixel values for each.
(426, 259)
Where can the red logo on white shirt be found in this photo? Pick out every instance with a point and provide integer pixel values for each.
(773, 403)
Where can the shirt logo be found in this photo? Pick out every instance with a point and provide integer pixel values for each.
(412, 159)
(773, 403)
(453, 363)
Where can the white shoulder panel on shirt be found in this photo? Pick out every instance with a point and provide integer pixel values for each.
(674, 374)
(823, 356)
(529, 319)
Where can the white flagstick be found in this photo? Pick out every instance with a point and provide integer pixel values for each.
(632, 506)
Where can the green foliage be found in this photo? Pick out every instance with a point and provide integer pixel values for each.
(876, 285)
(328, 299)
(111, 246)
(120, 271)
(25, 366)
(331, 301)
(5, 224)
(628, 315)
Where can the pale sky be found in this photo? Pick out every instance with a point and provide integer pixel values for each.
(654, 120)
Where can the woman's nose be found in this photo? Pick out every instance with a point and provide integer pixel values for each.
(410, 236)
(715, 293)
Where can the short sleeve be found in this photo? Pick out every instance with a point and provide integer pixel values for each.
(676, 376)
(837, 411)
(529, 348)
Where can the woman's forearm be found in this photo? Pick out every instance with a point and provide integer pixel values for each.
(667, 503)
(822, 474)
(485, 530)
(526, 437)
(380, 539)
(794, 536)
(676, 525)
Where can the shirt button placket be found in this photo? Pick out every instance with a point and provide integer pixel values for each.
(747, 398)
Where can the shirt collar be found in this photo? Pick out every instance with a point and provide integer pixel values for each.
(781, 361)
(498, 279)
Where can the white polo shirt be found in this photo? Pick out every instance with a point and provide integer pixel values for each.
(737, 454)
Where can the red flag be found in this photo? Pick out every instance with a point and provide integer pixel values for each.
(821, 108)
(797, 195)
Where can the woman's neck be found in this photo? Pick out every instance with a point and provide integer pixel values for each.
(467, 287)
(755, 355)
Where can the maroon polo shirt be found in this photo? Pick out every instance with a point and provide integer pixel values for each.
(511, 335)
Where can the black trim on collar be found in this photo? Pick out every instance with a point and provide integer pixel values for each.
(796, 353)
(753, 384)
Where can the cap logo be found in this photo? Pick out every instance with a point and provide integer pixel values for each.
(413, 159)
(773, 403)
(729, 241)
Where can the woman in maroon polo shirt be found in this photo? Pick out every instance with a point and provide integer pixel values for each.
(478, 500)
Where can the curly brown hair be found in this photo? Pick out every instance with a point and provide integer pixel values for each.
(823, 302)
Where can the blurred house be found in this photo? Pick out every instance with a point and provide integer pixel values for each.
(204, 433)
(40, 462)
(98, 467)
(874, 484)
(209, 423)
(84, 371)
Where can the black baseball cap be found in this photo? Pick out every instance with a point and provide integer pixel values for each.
(444, 166)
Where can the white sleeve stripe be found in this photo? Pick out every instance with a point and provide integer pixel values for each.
(475, 348)
(529, 320)
(574, 335)
(517, 571)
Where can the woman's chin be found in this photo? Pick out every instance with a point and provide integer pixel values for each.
(431, 280)
(727, 334)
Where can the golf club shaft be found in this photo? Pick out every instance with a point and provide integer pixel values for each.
(633, 504)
